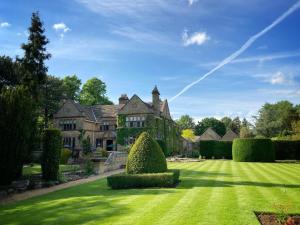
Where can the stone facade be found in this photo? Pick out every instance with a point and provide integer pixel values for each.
(114, 127)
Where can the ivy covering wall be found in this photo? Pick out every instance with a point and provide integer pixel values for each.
(159, 128)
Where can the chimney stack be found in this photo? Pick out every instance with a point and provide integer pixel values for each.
(123, 99)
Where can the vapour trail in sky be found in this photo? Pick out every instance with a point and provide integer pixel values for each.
(244, 47)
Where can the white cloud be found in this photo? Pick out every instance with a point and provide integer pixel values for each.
(280, 78)
(197, 38)
(61, 27)
(5, 24)
(191, 2)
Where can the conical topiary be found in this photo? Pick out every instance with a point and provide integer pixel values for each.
(146, 156)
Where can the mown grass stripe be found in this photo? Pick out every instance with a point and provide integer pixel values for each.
(192, 194)
(283, 168)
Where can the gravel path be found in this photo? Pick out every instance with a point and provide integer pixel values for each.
(42, 191)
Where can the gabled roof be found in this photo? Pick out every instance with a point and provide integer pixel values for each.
(209, 134)
(92, 113)
(229, 136)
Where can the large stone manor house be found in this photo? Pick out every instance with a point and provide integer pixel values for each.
(115, 127)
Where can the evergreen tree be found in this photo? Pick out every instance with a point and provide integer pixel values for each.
(35, 54)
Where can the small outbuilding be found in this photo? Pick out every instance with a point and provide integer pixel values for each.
(229, 136)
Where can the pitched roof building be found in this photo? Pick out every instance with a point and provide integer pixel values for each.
(229, 136)
(103, 123)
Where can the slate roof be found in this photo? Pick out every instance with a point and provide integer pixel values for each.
(229, 136)
(96, 112)
(209, 134)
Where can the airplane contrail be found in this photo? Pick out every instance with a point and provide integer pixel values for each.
(244, 47)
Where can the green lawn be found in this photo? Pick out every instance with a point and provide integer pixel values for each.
(36, 168)
(211, 192)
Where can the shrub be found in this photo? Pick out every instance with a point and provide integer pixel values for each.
(193, 154)
(287, 149)
(16, 126)
(65, 155)
(122, 181)
(102, 152)
(253, 150)
(163, 147)
(216, 149)
(146, 156)
(88, 165)
(52, 143)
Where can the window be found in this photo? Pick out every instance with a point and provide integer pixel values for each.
(99, 142)
(104, 126)
(135, 121)
(67, 125)
(69, 142)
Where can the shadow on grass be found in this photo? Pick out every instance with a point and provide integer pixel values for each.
(187, 183)
(76, 205)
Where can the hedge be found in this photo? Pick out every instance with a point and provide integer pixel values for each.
(125, 181)
(146, 156)
(52, 143)
(253, 150)
(287, 149)
(216, 149)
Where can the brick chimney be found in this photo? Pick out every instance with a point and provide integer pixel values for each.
(123, 99)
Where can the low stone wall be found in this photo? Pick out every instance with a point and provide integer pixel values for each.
(116, 160)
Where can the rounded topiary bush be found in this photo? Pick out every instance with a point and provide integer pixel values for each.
(253, 150)
(146, 156)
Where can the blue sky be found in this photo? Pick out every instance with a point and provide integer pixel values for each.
(134, 45)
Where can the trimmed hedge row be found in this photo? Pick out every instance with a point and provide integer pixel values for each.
(216, 149)
(287, 149)
(124, 181)
(253, 150)
(52, 143)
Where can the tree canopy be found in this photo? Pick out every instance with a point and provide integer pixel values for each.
(215, 124)
(186, 122)
(71, 86)
(276, 119)
(94, 92)
(188, 134)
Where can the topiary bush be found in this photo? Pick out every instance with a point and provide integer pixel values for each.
(287, 149)
(122, 181)
(146, 156)
(65, 155)
(52, 143)
(253, 150)
(163, 147)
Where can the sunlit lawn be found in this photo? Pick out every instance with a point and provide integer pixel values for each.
(211, 192)
(36, 169)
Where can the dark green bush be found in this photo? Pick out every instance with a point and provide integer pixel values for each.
(16, 126)
(223, 149)
(253, 150)
(163, 147)
(287, 149)
(146, 156)
(123, 181)
(65, 155)
(52, 143)
(216, 149)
